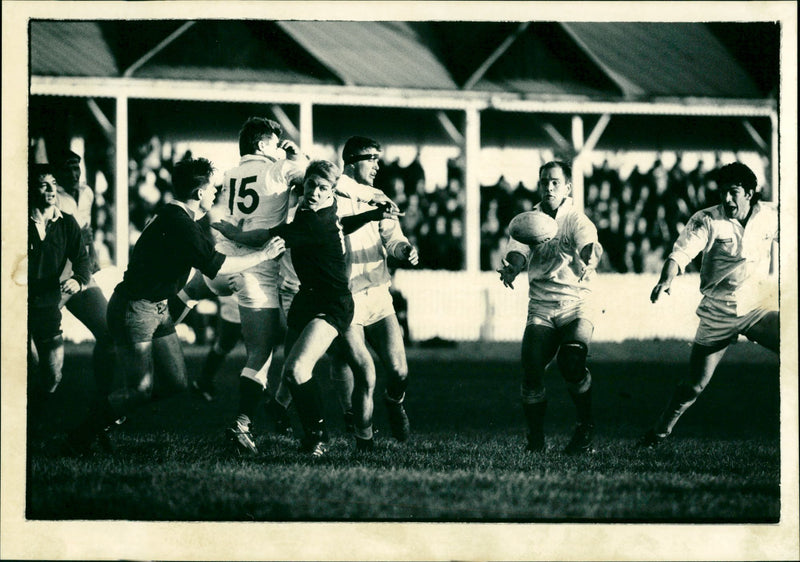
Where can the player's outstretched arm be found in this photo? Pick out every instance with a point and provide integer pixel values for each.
(668, 273)
(253, 238)
(354, 222)
(513, 263)
(271, 250)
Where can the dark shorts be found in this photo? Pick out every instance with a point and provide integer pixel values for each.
(44, 322)
(137, 321)
(307, 305)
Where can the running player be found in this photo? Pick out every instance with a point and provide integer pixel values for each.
(736, 240)
(323, 308)
(374, 317)
(560, 313)
(168, 248)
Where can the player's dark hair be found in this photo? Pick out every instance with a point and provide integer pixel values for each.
(190, 175)
(566, 168)
(736, 173)
(61, 158)
(37, 171)
(324, 169)
(357, 145)
(255, 129)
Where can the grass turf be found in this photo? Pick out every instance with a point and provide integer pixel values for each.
(465, 461)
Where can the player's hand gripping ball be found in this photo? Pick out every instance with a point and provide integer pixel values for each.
(533, 228)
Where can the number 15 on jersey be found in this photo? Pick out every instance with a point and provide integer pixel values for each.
(247, 196)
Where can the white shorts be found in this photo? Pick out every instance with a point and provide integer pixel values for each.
(259, 286)
(372, 305)
(719, 322)
(229, 309)
(286, 296)
(557, 314)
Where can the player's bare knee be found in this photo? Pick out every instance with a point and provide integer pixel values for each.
(572, 362)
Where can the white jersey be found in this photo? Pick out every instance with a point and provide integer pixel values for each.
(555, 268)
(80, 209)
(368, 247)
(736, 258)
(258, 190)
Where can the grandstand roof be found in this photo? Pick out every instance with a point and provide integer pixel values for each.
(612, 61)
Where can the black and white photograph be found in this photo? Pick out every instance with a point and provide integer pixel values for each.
(399, 281)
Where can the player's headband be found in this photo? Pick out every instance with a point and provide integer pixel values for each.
(353, 158)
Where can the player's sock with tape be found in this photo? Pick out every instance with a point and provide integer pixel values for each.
(396, 388)
(534, 416)
(308, 402)
(250, 393)
(583, 405)
(682, 399)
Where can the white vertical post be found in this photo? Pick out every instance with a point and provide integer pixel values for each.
(472, 220)
(774, 163)
(121, 218)
(577, 163)
(306, 126)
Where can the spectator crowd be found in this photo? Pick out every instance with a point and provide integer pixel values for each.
(637, 216)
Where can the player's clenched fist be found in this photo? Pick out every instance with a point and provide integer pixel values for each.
(70, 286)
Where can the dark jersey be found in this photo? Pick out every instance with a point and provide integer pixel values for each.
(318, 251)
(47, 259)
(167, 250)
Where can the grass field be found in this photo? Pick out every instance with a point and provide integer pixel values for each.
(465, 461)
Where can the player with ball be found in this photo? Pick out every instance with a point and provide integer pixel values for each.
(559, 246)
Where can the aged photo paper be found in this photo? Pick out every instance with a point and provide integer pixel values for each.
(22, 539)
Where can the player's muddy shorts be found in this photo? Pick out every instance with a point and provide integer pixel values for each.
(307, 305)
(557, 314)
(372, 305)
(137, 321)
(719, 322)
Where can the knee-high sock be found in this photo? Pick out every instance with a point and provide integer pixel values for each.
(308, 401)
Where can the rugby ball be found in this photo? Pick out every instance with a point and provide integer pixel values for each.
(532, 228)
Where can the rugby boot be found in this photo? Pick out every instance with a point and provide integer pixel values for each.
(398, 419)
(581, 442)
(204, 388)
(364, 445)
(315, 444)
(651, 439)
(240, 439)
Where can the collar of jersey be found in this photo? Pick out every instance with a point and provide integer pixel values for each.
(565, 204)
(262, 157)
(39, 217)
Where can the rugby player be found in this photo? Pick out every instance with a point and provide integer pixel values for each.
(736, 240)
(323, 308)
(138, 316)
(560, 312)
(374, 315)
(88, 305)
(54, 237)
